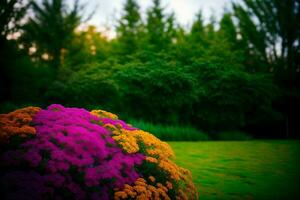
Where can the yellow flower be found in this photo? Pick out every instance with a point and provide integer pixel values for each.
(104, 114)
(110, 127)
(158, 153)
(127, 142)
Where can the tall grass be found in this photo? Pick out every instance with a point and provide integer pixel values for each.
(232, 136)
(170, 132)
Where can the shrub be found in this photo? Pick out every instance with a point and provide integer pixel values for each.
(70, 153)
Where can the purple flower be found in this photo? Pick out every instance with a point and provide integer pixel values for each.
(70, 154)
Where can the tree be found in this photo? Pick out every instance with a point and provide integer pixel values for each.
(210, 29)
(88, 46)
(129, 28)
(271, 30)
(197, 30)
(51, 29)
(171, 29)
(156, 26)
(202, 34)
(228, 30)
(11, 11)
(228, 97)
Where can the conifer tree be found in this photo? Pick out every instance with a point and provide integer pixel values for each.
(228, 30)
(52, 28)
(130, 28)
(156, 25)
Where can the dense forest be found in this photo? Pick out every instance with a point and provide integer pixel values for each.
(239, 73)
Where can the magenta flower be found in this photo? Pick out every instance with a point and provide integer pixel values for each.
(71, 156)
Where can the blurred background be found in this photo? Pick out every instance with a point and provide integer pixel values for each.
(183, 70)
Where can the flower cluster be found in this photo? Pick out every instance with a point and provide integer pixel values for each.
(70, 153)
(144, 190)
(158, 161)
(104, 114)
(73, 155)
(17, 123)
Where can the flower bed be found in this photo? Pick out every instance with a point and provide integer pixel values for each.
(71, 153)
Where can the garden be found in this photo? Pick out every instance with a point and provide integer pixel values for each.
(164, 101)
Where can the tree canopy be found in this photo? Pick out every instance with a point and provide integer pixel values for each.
(240, 72)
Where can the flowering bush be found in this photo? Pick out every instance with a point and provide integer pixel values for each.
(70, 153)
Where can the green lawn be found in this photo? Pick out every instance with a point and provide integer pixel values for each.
(242, 170)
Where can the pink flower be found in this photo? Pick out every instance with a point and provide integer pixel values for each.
(71, 152)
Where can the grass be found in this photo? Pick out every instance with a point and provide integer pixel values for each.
(242, 170)
(170, 132)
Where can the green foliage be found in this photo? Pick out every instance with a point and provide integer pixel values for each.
(156, 25)
(130, 28)
(160, 28)
(228, 31)
(271, 29)
(90, 86)
(197, 29)
(218, 76)
(52, 28)
(171, 132)
(11, 12)
(89, 46)
(206, 44)
(17, 75)
(227, 96)
(6, 107)
(254, 38)
(156, 91)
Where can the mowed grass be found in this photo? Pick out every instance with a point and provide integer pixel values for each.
(242, 170)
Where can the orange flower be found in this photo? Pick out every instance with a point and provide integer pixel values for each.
(169, 185)
(17, 123)
(104, 114)
(143, 191)
(158, 153)
(151, 178)
(120, 195)
(151, 159)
